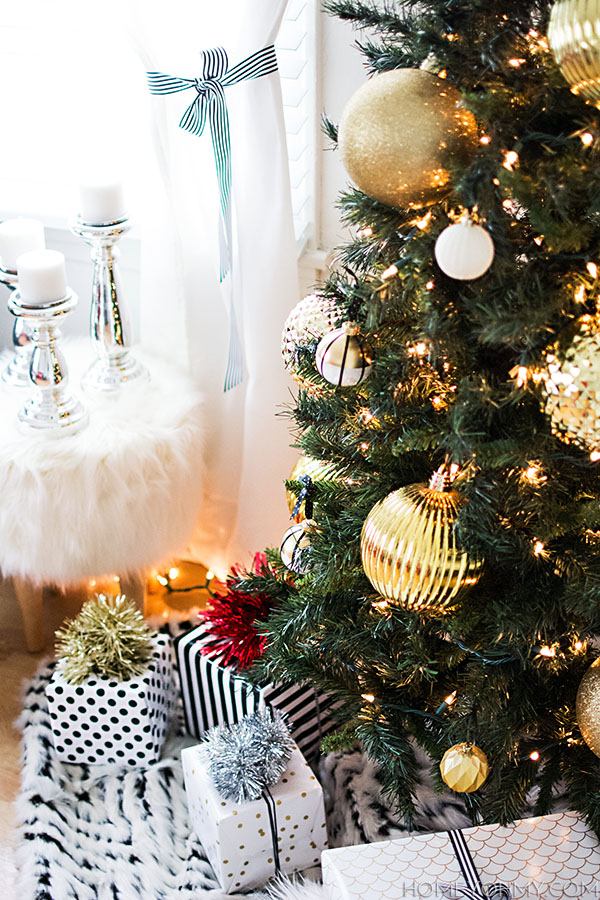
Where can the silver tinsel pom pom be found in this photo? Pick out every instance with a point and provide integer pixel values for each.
(250, 756)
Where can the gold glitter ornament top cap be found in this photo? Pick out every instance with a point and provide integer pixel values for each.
(399, 134)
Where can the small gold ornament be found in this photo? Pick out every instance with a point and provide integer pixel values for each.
(571, 384)
(464, 768)
(295, 542)
(398, 134)
(587, 707)
(317, 470)
(309, 320)
(574, 38)
(409, 549)
(343, 357)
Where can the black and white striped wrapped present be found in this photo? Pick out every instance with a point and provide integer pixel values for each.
(214, 694)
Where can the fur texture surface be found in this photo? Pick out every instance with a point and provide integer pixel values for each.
(118, 496)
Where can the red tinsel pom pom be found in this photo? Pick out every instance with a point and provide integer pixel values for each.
(231, 619)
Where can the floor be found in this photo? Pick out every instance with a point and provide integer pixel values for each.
(16, 665)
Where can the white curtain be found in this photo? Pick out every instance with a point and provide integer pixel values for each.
(183, 310)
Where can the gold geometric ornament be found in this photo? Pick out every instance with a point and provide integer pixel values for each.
(571, 384)
(410, 553)
(464, 768)
(574, 38)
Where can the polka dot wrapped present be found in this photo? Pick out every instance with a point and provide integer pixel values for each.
(238, 838)
(104, 721)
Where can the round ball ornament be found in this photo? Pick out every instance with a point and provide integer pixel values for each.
(295, 542)
(574, 38)
(308, 321)
(464, 251)
(464, 768)
(343, 358)
(317, 470)
(571, 384)
(409, 549)
(401, 132)
(587, 708)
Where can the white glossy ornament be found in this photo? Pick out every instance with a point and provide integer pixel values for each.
(464, 251)
(296, 539)
(343, 358)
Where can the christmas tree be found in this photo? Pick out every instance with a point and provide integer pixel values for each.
(462, 610)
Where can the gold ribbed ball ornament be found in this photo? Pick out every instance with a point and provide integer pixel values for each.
(309, 320)
(571, 384)
(587, 708)
(343, 357)
(399, 133)
(574, 38)
(410, 553)
(464, 767)
(317, 470)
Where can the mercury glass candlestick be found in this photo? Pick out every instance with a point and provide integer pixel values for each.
(50, 408)
(16, 371)
(110, 327)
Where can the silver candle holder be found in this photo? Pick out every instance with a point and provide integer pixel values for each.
(50, 408)
(16, 371)
(110, 327)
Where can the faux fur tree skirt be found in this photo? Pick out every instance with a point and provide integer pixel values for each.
(104, 833)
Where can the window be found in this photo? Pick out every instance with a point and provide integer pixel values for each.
(74, 86)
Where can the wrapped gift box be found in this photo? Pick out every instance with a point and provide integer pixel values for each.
(104, 721)
(544, 858)
(237, 837)
(217, 695)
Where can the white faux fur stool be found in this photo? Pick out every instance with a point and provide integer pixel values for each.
(117, 497)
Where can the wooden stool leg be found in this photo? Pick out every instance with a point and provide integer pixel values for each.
(134, 587)
(32, 609)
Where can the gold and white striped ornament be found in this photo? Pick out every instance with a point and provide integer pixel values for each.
(297, 539)
(343, 357)
(574, 38)
(409, 549)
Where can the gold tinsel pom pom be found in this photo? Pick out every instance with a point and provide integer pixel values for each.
(574, 38)
(400, 134)
(571, 384)
(108, 638)
(464, 768)
(588, 707)
(410, 553)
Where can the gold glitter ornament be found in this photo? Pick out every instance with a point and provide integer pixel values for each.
(400, 132)
(574, 38)
(317, 470)
(587, 708)
(343, 357)
(464, 768)
(309, 320)
(571, 384)
(409, 549)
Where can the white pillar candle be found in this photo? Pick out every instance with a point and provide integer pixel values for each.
(101, 202)
(18, 236)
(42, 277)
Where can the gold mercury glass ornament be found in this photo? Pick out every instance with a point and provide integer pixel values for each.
(571, 384)
(400, 133)
(409, 549)
(588, 707)
(308, 321)
(574, 38)
(464, 768)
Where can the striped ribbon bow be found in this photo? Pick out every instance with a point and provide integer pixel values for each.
(210, 103)
(472, 889)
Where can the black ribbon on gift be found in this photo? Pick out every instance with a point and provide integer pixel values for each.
(305, 496)
(472, 889)
(272, 813)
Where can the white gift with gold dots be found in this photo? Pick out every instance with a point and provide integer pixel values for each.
(237, 837)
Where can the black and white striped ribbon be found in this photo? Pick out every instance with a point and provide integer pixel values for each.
(210, 103)
(472, 889)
